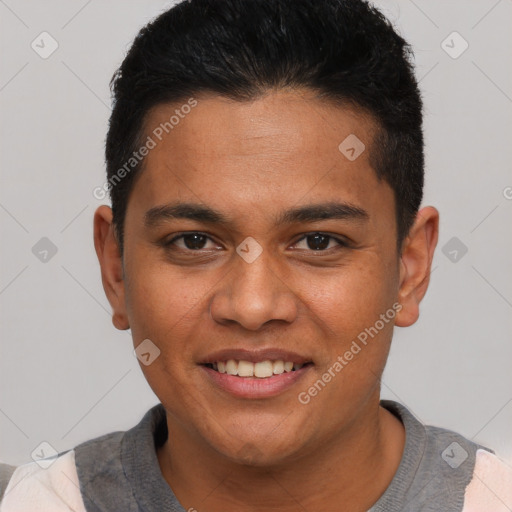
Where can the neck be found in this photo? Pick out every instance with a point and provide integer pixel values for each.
(354, 468)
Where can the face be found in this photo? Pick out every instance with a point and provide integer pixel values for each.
(285, 253)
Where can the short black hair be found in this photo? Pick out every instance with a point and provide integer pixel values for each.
(344, 50)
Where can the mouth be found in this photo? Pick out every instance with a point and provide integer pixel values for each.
(257, 379)
(261, 370)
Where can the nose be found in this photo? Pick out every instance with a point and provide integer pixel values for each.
(253, 294)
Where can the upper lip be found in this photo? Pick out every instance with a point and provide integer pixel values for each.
(255, 356)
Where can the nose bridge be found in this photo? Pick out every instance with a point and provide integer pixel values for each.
(255, 278)
(253, 293)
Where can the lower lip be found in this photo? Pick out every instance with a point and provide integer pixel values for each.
(255, 387)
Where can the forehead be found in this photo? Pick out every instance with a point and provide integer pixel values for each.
(286, 147)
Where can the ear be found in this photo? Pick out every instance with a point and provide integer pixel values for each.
(109, 256)
(415, 264)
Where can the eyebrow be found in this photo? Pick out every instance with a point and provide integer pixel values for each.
(308, 213)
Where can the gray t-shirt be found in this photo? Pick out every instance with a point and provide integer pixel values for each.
(120, 471)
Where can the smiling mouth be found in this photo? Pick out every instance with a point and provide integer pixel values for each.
(262, 369)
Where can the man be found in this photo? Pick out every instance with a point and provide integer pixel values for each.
(265, 165)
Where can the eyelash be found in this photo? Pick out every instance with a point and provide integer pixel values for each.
(341, 243)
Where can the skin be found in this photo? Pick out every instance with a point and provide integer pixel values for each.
(251, 161)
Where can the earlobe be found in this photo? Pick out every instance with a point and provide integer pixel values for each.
(109, 257)
(415, 264)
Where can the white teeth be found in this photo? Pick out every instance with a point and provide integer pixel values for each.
(262, 369)
(231, 367)
(245, 369)
(278, 367)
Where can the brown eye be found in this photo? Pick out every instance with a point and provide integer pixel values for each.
(321, 242)
(190, 241)
(194, 241)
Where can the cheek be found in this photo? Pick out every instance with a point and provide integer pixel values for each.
(168, 310)
(353, 297)
(350, 307)
(357, 342)
(165, 306)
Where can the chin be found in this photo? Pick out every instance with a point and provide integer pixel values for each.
(258, 453)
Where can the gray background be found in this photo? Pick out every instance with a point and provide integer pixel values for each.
(66, 375)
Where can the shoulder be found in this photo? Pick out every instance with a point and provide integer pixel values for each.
(442, 470)
(60, 483)
(37, 487)
(98, 474)
(491, 485)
